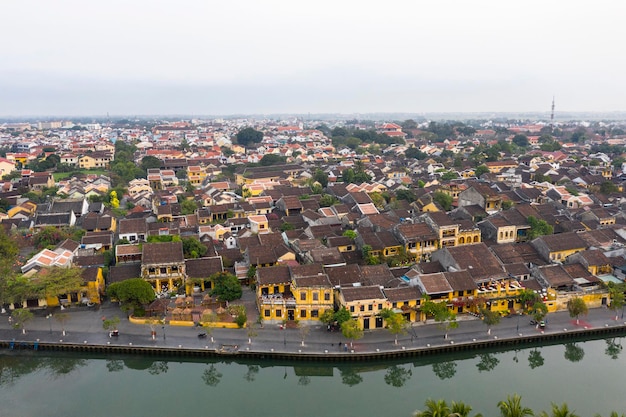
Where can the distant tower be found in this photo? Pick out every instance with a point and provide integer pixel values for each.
(552, 115)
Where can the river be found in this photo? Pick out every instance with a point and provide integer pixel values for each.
(588, 375)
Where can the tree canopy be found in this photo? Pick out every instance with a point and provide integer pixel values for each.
(226, 286)
(133, 293)
(248, 136)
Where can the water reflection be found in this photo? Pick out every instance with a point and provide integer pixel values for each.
(397, 376)
(444, 370)
(573, 352)
(211, 376)
(252, 372)
(14, 367)
(350, 377)
(535, 359)
(487, 362)
(613, 348)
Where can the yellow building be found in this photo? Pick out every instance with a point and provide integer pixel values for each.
(275, 300)
(312, 291)
(556, 248)
(195, 175)
(364, 304)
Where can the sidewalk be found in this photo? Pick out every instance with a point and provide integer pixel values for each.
(85, 327)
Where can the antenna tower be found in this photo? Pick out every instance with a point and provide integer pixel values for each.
(552, 115)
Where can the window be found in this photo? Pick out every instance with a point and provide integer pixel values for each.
(316, 296)
(164, 270)
(314, 313)
(302, 296)
(279, 313)
(380, 306)
(362, 308)
(370, 307)
(394, 305)
(276, 290)
(261, 226)
(303, 314)
(326, 296)
(351, 309)
(267, 313)
(349, 247)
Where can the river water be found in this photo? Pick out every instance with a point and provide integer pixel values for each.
(589, 376)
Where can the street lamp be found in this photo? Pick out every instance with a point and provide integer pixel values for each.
(48, 317)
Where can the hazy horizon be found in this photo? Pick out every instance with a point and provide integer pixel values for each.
(276, 57)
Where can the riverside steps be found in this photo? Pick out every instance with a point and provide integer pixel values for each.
(84, 333)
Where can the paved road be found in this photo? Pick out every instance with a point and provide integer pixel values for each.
(85, 325)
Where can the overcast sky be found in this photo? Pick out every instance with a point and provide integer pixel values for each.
(141, 57)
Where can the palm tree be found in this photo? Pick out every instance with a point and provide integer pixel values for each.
(460, 409)
(613, 414)
(562, 411)
(512, 407)
(434, 408)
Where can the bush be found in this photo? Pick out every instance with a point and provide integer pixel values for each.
(241, 319)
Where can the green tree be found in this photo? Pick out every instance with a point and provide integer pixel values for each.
(55, 281)
(193, 248)
(449, 175)
(559, 411)
(512, 407)
(527, 298)
(21, 316)
(434, 408)
(62, 318)
(538, 227)
(272, 159)
(396, 322)
(490, 318)
(150, 162)
(348, 176)
(443, 199)
(226, 286)
(350, 233)
(133, 294)
(617, 299)
(327, 200)
(48, 237)
(249, 136)
(407, 195)
(188, 207)
(577, 306)
(321, 177)
(351, 330)
(538, 311)
(110, 324)
(442, 315)
(286, 226)
(607, 187)
(342, 315)
(460, 409)
(480, 170)
(415, 153)
(521, 140)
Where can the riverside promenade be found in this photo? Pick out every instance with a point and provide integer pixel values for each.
(84, 333)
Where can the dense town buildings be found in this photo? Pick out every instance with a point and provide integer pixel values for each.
(320, 216)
